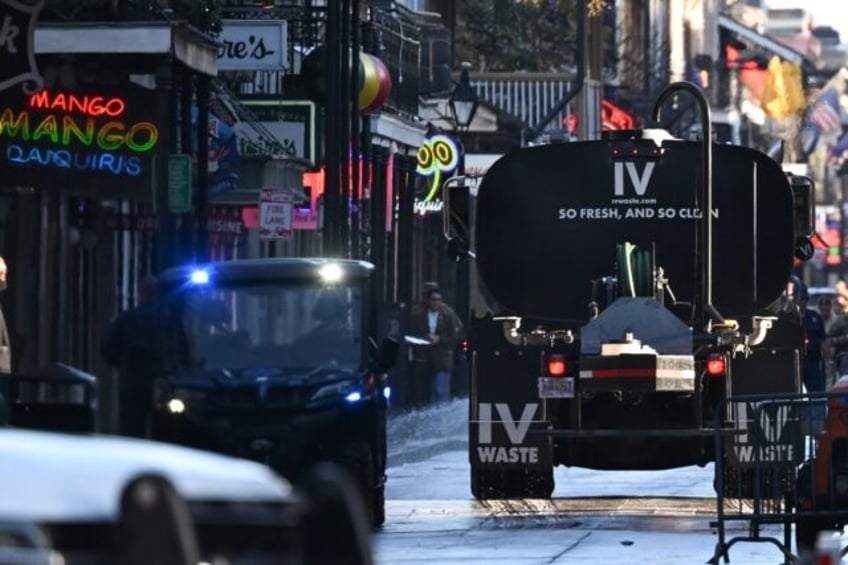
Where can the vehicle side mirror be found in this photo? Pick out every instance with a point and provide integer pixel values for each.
(804, 248)
(386, 355)
(804, 198)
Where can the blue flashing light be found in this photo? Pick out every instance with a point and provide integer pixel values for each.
(387, 392)
(354, 396)
(199, 277)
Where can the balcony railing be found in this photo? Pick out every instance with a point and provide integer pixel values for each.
(528, 97)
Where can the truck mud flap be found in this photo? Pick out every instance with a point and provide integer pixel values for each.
(509, 435)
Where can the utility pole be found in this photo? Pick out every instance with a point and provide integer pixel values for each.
(589, 114)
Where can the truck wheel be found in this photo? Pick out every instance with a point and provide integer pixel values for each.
(356, 457)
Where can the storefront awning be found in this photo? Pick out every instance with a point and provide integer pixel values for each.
(760, 40)
(188, 46)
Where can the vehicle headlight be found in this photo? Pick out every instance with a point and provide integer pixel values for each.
(334, 389)
(175, 406)
(331, 273)
(177, 400)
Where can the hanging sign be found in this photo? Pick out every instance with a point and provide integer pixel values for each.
(275, 213)
(437, 157)
(612, 118)
(253, 45)
(97, 138)
(17, 53)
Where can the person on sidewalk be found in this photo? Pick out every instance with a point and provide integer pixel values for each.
(815, 379)
(129, 345)
(438, 326)
(5, 342)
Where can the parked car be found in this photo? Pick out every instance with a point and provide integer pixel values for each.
(81, 499)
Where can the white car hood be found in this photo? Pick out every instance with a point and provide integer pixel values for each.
(61, 477)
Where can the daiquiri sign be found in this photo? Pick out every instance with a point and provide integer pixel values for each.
(101, 139)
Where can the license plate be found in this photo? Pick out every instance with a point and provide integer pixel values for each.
(559, 387)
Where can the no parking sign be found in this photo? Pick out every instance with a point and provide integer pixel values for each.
(275, 214)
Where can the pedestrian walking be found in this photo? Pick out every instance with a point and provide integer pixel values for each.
(130, 345)
(438, 327)
(825, 309)
(5, 342)
(814, 336)
(841, 289)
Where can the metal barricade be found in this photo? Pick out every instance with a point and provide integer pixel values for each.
(781, 460)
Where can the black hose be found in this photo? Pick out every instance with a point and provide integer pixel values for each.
(707, 308)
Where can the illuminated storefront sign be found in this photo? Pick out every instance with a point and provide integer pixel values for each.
(438, 156)
(612, 118)
(99, 134)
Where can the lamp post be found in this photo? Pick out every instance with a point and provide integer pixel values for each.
(463, 100)
(463, 103)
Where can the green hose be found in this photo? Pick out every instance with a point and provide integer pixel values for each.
(635, 270)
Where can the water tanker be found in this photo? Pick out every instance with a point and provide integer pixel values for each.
(611, 314)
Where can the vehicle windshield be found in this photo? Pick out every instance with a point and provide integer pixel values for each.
(269, 325)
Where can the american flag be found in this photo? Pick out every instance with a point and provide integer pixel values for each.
(838, 150)
(824, 114)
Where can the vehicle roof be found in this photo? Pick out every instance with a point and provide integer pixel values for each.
(55, 477)
(270, 268)
(819, 290)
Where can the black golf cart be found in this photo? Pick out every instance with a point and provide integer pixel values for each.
(276, 360)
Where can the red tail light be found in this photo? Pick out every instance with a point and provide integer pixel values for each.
(463, 346)
(716, 365)
(556, 365)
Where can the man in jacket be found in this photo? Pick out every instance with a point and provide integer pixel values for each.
(439, 326)
(130, 345)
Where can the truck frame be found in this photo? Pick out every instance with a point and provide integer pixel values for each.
(609, 315)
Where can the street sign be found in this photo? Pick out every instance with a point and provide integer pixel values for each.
(179, 183)
(275, 214)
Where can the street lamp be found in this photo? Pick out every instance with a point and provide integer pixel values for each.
(463, 100)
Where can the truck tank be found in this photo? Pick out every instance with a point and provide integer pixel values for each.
(550, 219)
(612, 316)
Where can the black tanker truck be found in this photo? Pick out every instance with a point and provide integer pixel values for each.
(610, 316)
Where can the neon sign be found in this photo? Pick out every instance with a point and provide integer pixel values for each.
(80, 132)
(438, 155)
(612, 118)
